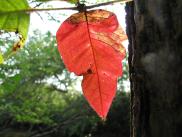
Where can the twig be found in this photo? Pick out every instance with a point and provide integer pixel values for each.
(52, 18)
(67, 8)
(108, 3)
(56, 127)
(37, 5)
(40, 16)
(48, 9)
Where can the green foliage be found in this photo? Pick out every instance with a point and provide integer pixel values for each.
(1, 58)
(28, 96)
(25, 92)
(11, 19)
(35, 88)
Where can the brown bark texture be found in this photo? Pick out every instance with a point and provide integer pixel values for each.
(154, 29)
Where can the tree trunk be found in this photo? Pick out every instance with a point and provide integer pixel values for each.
(154, 29)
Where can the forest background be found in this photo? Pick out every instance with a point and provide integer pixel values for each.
(39, 97)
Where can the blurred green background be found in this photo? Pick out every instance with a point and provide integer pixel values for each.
(38, 96)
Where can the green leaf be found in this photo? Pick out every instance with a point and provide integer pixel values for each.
(12, 20)
(1, 58)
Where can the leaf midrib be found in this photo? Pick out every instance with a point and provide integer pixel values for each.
(85, 13)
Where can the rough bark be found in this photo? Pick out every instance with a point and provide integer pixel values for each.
(154, 28)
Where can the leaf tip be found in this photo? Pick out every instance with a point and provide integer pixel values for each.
(18, 45)
(103, 119)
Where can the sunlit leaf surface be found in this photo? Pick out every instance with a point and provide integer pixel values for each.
(90, 45)
(12, 20)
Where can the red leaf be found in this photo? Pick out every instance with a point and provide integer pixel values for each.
(90, 45)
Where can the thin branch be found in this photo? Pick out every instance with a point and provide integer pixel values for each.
(108, 3)
(37, 5)
(87, 7)
(40, 16)
(49, 9)
(56, 127)
(67, 8)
